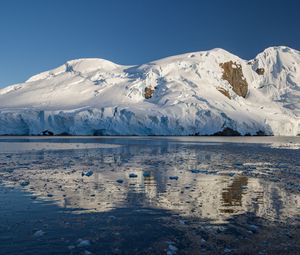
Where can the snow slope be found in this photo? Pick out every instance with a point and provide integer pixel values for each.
(188, 95)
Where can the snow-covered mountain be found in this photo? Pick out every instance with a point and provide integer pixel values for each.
(196, 93)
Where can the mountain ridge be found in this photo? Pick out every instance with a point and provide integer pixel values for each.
(197, 93)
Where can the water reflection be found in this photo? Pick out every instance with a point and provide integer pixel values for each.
(230, 179)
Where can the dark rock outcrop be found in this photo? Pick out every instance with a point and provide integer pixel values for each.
(149, 92)
(260, 133)
(260, 71)
(99, 132)
(233, 73)
(47, 133)
(64, 134)
(227, 132)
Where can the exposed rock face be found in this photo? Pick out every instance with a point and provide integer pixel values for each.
(260, 71)
(47, 132)
(149, 92)
(227, 132)
(260, 133)
(233, 73)
(224, 92)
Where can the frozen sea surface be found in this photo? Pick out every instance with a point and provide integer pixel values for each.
(149, 195)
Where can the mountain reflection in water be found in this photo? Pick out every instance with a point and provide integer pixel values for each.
(216, 181)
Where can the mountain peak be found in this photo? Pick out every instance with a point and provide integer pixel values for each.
(276, 49)
(194, 93)
(85, 65)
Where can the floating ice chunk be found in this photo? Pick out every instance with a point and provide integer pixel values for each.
(226, 250)
(146, 174)
(253, 228)
(289, 146)
(133, 175)
(83, 243)
(87, 173)
(24, 183)
(203, 241)
(197, 171)
(172, 250)
(182, 222)
(38, 233)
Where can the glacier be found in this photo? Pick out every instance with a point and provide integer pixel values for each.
(199, 93)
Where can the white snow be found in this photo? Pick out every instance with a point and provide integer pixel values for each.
(96, 96)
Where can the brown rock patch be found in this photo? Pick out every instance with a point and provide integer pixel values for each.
(148, 92)
(224, 92)
(233, 73)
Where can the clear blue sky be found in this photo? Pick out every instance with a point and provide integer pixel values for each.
(37, 35)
